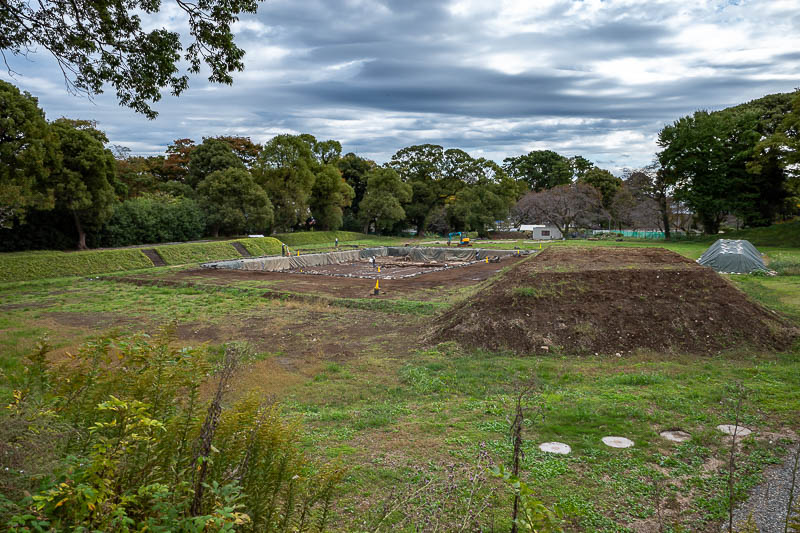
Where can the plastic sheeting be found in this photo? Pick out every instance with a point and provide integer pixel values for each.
(733, 257)
(276, 264)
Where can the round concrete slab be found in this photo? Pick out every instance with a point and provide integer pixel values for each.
(617, 442)
(555, 447)
(728, 429)
(675, 435)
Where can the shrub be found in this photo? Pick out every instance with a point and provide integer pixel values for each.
(785, 264)
(153, 219)
(39, 265)
(130, 444)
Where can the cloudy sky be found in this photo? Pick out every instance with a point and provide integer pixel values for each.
(497, 79)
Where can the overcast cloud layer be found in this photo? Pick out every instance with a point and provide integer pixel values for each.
(497, 79)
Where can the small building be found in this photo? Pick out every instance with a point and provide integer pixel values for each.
(542, 232)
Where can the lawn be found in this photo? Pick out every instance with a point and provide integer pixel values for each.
(417, 423)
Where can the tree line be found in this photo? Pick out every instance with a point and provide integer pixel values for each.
(61, 183)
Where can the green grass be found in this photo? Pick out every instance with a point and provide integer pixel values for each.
(303, 238)
(786, 234)
(200, 252)
(37, 265)
(258, 246)
(395, 411)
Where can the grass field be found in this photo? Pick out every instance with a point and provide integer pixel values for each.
(417, 423)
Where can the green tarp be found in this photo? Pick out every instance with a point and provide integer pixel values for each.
(733, 257)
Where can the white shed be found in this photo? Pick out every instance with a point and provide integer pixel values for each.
(541, 232)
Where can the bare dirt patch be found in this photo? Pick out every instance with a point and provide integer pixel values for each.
(606, 300)
(423, 287)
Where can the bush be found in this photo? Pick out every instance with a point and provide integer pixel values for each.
(24, 266)
(301, 238)
(785, 264)
(153, 219)
(197, 252)
(119, 438)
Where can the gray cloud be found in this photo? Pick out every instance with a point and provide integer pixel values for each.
(593, 78)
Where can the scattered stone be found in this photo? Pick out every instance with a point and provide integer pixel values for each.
(545, 348)
(617, 442)
(555, 447)
(728, 429)
(675, 435)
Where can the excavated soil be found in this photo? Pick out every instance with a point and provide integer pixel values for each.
(612, 300)
(425, 286)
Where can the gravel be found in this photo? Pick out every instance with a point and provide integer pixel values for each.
(768, 501)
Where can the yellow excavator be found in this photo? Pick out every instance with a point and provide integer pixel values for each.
(463, 240)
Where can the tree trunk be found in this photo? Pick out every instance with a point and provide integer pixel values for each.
(366, 227)
(662, 206)
(81, 233)
(420, 229)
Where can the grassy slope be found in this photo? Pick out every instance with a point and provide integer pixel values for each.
(36, 265)
(302, 238)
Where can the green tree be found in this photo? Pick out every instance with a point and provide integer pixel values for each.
(540, 169)
(104, 41)
(327, 152)
(777, 156)
(476, 207)
(329, 195)
(604, 181)
(285, 170)
(209, 157)
(707, 154)
(435, 176)
(384, 198)
(245, 149)
(234, 203)
(84, 182)
(28, 153)
(580, 166)
(354, 170)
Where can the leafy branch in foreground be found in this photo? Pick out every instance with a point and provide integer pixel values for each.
(97, 42)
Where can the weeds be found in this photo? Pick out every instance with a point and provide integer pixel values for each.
(114, 440)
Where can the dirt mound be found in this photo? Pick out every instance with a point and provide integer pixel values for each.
(608, 300)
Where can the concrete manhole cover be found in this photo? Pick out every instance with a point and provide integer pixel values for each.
(617, 442)
(675, 435)
(728, 429)
(555, 447)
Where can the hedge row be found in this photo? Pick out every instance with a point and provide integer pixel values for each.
(302, 238)
(39, 265)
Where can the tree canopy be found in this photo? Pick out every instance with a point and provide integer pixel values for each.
(234, 203)
(98, 42)
(83, 183)
(541, 169)
(27, 155)
(209, 157)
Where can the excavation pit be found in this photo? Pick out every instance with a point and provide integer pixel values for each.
(384, 263)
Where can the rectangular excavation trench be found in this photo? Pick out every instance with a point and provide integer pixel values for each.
(391, 262)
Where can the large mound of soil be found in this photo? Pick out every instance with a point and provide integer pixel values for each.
(608, 300)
